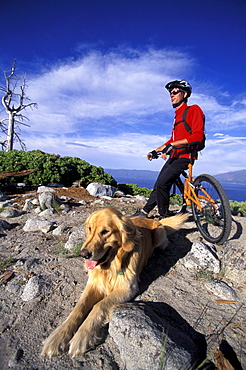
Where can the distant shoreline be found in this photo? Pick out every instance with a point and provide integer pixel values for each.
(235, 192)
(236, 177)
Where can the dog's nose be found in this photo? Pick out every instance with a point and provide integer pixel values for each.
(85, 253)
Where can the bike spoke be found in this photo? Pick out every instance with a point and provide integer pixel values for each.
(214, 218)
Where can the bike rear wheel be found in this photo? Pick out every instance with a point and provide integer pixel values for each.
(214, 220)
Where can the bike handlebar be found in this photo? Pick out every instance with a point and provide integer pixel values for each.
(191, 147)
(153, 154)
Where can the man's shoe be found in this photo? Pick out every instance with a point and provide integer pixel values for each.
(166, 215)
(161, 217)
(139, 213)
(169, 214)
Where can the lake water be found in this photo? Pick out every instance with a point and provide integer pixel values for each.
(234, 191)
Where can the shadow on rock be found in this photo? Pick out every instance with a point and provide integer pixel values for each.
(238, 232)
(162, 261)
(153, 335)
(170, 318)
(230, 355)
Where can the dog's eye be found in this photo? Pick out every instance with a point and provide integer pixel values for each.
(89, 229)
(104, 232)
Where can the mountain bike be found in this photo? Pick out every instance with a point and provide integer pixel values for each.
(208, 201)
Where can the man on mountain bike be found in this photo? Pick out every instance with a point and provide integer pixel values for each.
(177, 147)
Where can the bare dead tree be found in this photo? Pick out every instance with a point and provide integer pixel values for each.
(14, 103)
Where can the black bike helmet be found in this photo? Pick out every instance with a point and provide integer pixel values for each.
(183, 85)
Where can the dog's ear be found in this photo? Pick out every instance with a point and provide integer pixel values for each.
(128, 233)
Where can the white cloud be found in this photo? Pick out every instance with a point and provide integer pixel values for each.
(222, 153)
(129, 83)
(123, 85)
(229, 140)
(111, 109)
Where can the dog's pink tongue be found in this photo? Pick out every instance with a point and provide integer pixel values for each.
(91, 264)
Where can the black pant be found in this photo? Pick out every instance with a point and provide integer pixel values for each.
(161, 192)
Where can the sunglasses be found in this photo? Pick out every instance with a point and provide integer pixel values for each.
(175, 92)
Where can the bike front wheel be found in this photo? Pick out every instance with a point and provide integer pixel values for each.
(213, 220)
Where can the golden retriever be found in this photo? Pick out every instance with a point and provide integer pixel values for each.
(115, 251)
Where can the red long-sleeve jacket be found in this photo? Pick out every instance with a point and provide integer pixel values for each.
(195, 119)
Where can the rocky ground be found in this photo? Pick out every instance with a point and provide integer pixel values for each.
(184, 296)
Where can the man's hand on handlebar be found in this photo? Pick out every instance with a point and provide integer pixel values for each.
(152, 155)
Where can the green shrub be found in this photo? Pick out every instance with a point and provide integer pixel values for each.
(134, 189)
(6, 262)
(51, 168)
(176, 199)
(238, 208)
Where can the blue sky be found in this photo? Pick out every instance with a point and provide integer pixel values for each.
(97, 71)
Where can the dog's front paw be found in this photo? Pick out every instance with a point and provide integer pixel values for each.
(81, 343)
(56, 343)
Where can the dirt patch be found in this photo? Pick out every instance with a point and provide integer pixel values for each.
(75, 193)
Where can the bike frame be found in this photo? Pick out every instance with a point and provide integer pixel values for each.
(212, 216)
(190, 194)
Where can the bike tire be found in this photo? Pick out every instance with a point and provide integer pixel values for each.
(213, 224)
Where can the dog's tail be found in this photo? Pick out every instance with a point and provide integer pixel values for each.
(175, 222)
